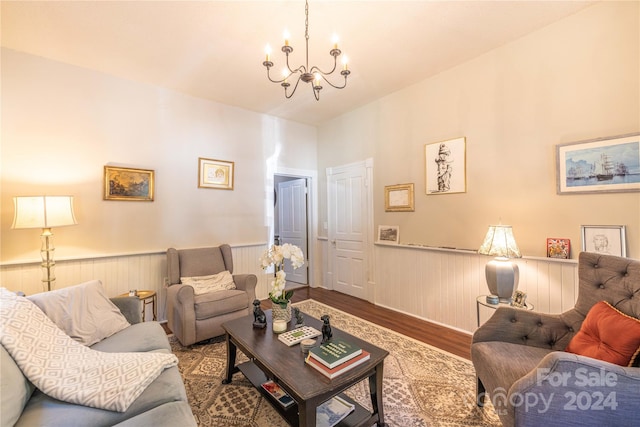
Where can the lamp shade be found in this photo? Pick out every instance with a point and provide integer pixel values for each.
(43, 211)
(499, 242)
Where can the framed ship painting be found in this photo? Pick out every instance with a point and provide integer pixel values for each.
(599, 165)
(128, 184)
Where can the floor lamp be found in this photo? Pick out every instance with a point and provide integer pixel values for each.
(44, 212)
(502, 275)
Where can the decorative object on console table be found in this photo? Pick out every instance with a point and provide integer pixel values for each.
(604, 239)
(389, 234)
(558, 248)
(280, 298)
(128, 184)
(44, 212)
(501, 274)
(399, 198)
(445, 171)
(599, 165)
(214, 173)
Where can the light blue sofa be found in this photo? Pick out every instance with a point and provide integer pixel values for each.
(163, 403)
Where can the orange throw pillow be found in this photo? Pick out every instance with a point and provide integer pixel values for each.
(607, 334)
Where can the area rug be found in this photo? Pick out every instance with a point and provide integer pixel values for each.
(423, 386)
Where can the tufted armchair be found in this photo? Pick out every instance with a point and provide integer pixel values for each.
(521, 364)
(193, 318)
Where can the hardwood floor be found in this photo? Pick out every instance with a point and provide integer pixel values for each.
(439, 336)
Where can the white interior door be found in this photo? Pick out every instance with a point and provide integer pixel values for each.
(292, 224)
(348, 229)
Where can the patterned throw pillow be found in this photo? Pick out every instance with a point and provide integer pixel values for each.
(205, 284)
(608, 334)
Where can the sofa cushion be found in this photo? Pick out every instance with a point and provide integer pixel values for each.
(608, 334)
(84, 312)
(212, 283)
(218, 303)
(145, 336)
(15, 389)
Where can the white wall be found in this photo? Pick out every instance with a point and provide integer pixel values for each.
(62, 124)
(576, 79)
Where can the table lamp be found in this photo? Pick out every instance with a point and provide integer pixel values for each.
(44, 212)
(501, 274)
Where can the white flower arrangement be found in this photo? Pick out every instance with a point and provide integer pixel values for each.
(275, 256)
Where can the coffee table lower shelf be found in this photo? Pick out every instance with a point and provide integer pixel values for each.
(256, 376)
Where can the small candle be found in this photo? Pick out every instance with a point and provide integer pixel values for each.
(286, 37)
(279, 326)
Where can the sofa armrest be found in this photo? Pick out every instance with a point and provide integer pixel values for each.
(130, 307)
(518, 326)
(566, 387)
(247, 283)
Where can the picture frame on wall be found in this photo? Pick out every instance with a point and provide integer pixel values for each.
(389, 234)
(604, 239)
(445, 167)
(399, 198)
(213, 173)
(599, 165)
(558, 248)
(128, 184)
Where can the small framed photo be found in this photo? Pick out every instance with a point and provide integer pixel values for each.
(128, 184)
(599, 165)
(214, 173)
(445, 167)
(389, 234)
(519, 299)
(604, 239)
(558, 248)
(399, 198)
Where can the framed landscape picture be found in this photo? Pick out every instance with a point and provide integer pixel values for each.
(599, 165)
(128, 184)
(214, 173)
(445, 167)
(399, 198)
(604, 239)
(389, 234)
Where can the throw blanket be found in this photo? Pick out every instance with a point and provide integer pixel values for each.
(67, 370)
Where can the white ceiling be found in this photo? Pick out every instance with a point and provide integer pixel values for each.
(215, 49)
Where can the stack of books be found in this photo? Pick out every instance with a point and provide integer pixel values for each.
(336, 357)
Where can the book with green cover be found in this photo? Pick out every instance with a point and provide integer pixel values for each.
(334, 352)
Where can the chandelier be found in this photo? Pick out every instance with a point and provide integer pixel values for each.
(313, 75)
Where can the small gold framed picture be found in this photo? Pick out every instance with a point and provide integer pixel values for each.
(128, 184)
(399, 198)
(214, 173)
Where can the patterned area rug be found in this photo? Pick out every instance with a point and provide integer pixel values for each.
(423, 386)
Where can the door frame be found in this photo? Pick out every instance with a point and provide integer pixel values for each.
(313, 276)
(368, 218)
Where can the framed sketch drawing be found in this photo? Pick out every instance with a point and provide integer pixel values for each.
(599, 165)
(604, 239)
(389, 234)
(128, 184)
(445, 167)
(214, 173)
(399, 198)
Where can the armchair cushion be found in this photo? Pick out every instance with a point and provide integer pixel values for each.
(212, 283)
(215, 304)
(609, 335)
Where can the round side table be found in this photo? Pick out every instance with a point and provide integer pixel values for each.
(147, 297)
(482, 301)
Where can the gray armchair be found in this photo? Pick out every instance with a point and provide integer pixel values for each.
(521, 364)
(194, 318)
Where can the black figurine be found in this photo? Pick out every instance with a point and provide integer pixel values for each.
(326, 329)
(259, 318)
(298, 316)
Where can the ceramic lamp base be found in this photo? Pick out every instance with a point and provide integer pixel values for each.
(502, 278)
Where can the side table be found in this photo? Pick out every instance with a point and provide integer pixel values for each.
(482, 301)
(147, 297)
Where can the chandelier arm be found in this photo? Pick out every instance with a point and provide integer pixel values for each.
(270, 79)
(293, 91)
(315, 69)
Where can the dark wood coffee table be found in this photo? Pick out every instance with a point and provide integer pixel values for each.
(272, 359)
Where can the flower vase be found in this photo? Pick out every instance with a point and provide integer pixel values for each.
(281, 311)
